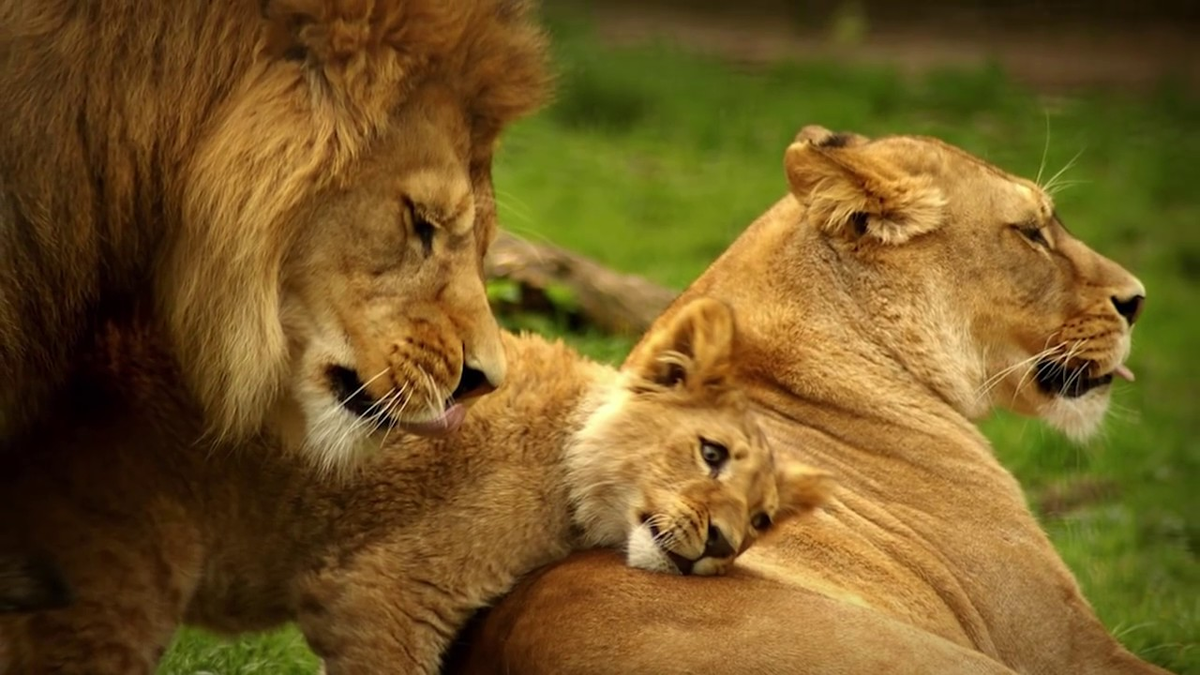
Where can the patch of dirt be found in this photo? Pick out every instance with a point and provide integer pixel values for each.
(1050, 48)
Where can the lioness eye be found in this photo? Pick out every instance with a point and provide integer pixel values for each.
(1033, 234)
(760, 522)
(714, 454)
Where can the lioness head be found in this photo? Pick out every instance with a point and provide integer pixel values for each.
(337, 215)
(976, 283)
(671, 462)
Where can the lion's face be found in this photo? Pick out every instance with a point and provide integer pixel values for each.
(324, 280)
(672, 463)
(383, 298)
(1037, 321)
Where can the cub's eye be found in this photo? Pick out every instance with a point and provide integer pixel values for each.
(761, 522)
(1033, 234)
(714, 454)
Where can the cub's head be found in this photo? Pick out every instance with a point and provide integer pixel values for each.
(971, 274)
(671, 463)
(330, 275)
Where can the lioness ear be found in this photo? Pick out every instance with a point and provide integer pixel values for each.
(691, 350)
(851, 192)
(823, 138)
(802, 488)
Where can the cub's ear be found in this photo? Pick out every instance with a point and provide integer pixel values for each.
(691, 350)
(850, 191)
(802, 488)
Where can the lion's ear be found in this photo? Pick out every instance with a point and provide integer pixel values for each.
(851, 192)
(287, 23)
(334, 34)
(691, 350)
(802, 488)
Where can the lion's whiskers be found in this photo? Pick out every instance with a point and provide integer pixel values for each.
(1032, 368)
(1045, 150)
(330, 412)
(522, 213)
(1078, 372)
(363, 420)
(995, 380)
(1053, 184)
(432, 401)
(394, 412)
(1124, 413)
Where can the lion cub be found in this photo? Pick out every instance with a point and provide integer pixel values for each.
(661, 458)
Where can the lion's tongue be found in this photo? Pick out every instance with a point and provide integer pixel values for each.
(444, 424)
(1122, 371)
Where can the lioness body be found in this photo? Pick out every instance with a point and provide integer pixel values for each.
(380, 570)
(904, 289)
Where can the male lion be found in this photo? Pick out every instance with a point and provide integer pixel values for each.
(298, 190)
(903, 289)
(381, 569)
(29, 583)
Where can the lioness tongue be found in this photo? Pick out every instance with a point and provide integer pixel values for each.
(1122, 371)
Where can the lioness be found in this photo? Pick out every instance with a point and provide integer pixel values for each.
(664, 458)
(298, 191)
(904, 289)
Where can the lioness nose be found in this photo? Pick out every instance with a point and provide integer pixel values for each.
(717, 545)
(1130, 308)
(473, 382)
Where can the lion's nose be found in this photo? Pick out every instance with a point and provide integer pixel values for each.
(717, 545)
(473, 382)
(1130, 308)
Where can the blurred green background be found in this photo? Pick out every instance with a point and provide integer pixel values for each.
(659, 150)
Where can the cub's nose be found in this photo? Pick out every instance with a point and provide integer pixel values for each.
(717, 545)
(1130, 308)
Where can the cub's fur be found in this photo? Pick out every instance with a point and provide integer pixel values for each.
(663, 459)
(299, 191)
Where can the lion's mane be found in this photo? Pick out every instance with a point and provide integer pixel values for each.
(151, 153)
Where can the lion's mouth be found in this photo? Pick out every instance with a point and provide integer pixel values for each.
(1059, 379)
(352, 394)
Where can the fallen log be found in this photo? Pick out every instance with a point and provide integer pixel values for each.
(608, 300)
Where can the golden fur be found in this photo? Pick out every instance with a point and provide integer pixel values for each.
(286, 185)
(904, 289)
(664, 459)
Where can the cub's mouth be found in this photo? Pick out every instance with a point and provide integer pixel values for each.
(1072, 381)
(682, 564)
(352, 395)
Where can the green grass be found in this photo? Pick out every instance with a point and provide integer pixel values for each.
(653, 161)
